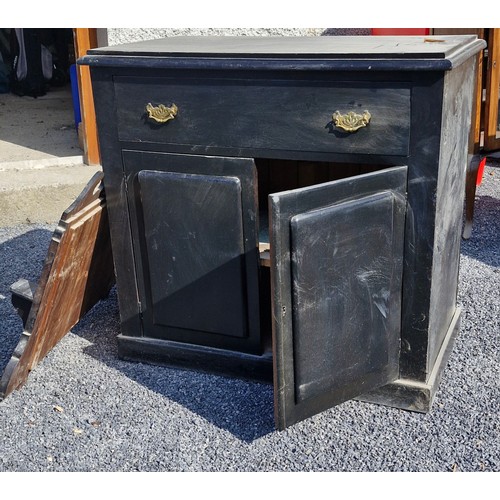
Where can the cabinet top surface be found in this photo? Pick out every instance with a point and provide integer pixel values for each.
(435, 47)
(395, 52)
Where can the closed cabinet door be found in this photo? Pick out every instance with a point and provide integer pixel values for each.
(194, 228)
(336, 270)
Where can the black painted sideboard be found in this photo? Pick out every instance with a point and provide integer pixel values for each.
(289, 208)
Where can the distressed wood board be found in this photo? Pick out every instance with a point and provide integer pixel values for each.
(77, 273)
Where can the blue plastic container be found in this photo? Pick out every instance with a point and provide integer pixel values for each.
(75, 94)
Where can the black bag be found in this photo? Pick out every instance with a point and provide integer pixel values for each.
(32, 63)
(4, 77)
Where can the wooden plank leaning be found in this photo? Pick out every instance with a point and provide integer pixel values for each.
(77, 273)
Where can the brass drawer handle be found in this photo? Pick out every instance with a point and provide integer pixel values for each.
(351, 121)
(161, 113)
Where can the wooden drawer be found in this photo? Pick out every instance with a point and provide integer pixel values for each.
(257, 114)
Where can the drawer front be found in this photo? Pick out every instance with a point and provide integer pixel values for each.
(288, 115)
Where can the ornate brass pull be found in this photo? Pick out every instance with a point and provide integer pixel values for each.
(351, 121)
(161, 113)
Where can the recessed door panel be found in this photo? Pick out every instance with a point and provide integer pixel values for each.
(341, 289)
(336, 262)
(193, 229)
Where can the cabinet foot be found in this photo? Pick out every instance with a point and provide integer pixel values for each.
(414, 395)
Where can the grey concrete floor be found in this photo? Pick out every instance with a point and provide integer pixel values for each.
(40, 158)
(38, 129)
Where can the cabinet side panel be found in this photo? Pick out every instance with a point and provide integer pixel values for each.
(450, 193)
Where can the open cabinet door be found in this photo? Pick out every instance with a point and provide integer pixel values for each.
(336, 273)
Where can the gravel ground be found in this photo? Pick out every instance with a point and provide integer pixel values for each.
(85, 410)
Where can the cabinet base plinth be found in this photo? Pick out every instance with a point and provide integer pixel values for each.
(413, 395)
(197, 358)
(405, 394)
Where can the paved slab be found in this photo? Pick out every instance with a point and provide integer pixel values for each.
(38, 129)
(41, 163)
(40, 195)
